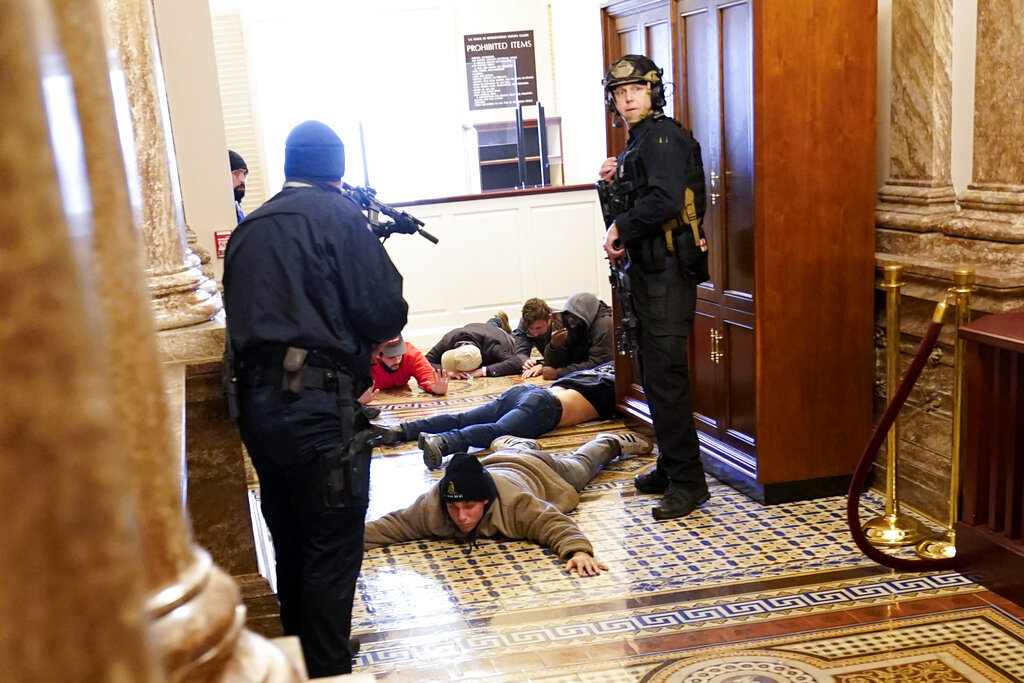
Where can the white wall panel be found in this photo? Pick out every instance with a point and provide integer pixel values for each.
(565, 250)
(488, 270)
(494, 254)
(424, 265)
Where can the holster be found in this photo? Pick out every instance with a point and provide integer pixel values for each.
(293, 363)
(229, 382)
(346, 470)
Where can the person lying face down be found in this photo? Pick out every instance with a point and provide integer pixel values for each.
(525, 410)
(519, 492)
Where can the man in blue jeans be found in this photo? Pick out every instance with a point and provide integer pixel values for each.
(525, 410)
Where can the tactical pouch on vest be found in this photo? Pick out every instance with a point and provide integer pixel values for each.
(692, 244)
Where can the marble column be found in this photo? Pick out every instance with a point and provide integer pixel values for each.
(181, 294)
(71, 579)
(994, 201)
(985, 228)
(116, 457)
(195, 608)
(918, 194)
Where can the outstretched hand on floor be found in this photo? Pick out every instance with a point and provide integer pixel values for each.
(584, 563)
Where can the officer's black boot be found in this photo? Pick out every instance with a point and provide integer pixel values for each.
(651, 482)
(680, 501)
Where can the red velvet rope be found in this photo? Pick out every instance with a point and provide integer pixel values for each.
(867, 457)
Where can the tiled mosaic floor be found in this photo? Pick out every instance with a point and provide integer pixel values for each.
(735, 593)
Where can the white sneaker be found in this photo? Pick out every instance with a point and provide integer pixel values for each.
(516, 443)
(630, 443)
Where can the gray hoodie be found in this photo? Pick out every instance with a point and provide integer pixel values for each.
(587, 351)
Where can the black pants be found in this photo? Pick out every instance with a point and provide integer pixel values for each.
(318, 548)
(665, 304)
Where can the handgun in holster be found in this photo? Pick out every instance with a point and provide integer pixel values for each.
(346, 470)
(293, 363)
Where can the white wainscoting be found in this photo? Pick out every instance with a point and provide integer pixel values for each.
(496, 253)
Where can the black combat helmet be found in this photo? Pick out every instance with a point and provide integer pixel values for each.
(634, 69)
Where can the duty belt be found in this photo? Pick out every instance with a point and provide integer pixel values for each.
(319, 379)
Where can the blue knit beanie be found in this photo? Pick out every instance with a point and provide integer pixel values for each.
(314, 151)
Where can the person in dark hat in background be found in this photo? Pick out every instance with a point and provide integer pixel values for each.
(239, 174)
(518, 492)
(398, 362)
(311, 296)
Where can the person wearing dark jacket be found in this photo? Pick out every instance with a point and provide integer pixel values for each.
(658, 181)
(239, 174)
(587, 338)
(525, 410)
(518, 492)
(493, 356)
(310, 296)
(536, 325)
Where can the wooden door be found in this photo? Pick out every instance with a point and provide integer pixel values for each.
(715, 66)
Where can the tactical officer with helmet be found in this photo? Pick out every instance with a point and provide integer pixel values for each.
(657, 187)
(310, 295)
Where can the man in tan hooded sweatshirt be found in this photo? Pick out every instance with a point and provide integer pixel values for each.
(519, 492)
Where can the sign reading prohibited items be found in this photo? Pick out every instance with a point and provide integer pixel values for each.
(500, 69)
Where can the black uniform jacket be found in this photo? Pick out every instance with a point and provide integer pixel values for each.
(653, 170)
(495, 345)
(304, 270)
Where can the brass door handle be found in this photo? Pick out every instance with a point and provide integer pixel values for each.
(716, 355)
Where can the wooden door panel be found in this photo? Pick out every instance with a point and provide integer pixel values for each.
(736, 184)
(704, 371)
(699, 112)
(629, 39)
(740, 372)
(659, 49)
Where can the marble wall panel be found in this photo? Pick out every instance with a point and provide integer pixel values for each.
(999, 91)
(922, 94)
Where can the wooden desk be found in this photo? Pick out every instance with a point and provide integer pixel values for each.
(990, 532)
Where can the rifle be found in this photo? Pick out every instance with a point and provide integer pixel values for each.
(402, 222)
(627, 338)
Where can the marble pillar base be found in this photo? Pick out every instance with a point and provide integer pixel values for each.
(916, 208)
(184, 297)
(991, 212)
(198, 631)
(931, 258)
(201, 343)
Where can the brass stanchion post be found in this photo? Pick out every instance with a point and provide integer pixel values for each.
(893, 528)
(945, 545)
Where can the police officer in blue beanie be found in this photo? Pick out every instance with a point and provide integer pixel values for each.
(310, 296)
